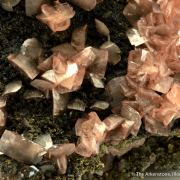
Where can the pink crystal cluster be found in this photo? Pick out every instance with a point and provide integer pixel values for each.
(154, 66)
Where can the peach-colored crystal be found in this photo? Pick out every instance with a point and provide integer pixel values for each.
(153, 126)
(113, 121)
(66, 50)
(59, 102)
(117, 89)
(96, 80)
(42, 84)
(99, 65)
(85, 57)
(91, 132)
(46, 64)
(114, 52)
(130, 113)
(136, 9)
(119, 133)
(19, 148)
(66, 71)
(25, 64)
(57, 17)
(174, 94)
(59, 153)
